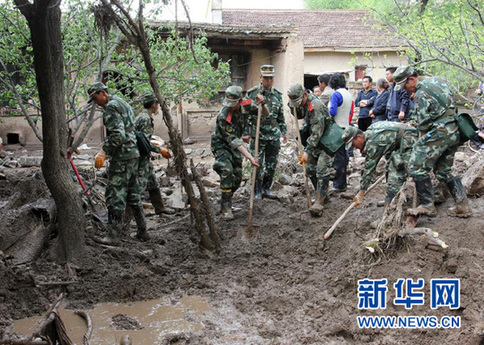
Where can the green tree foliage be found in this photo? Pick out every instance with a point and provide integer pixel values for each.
(444, 38)
(186, 69)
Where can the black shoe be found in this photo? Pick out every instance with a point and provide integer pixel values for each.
(266, 188)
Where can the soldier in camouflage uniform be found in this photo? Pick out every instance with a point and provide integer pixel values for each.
(272, 128)
(390, 139)
(120, 145)
(319, 163)
(147, 178)
(435, 150)
(227, 145)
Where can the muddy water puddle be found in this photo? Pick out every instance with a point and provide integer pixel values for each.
(146, 322)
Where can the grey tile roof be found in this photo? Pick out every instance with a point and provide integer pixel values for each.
(326, 29)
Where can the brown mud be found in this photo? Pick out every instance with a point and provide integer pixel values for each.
(287, 286)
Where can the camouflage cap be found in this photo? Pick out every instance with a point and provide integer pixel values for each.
(401, 75)
(267, 70)
(295, 93)
(149, 98)
(233, 94)
(94, 88)
(349, 134)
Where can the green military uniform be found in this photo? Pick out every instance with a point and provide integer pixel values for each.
(435, 150)
(120, 145)
(394, 141)
(229, 129)
(144, 124)
(271, 129)
(319, 162)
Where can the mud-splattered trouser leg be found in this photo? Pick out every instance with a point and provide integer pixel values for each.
(145, 170)
(123, 187)
(230, 170)
(435, 151)
(320, 167)
(271, 153)
(397, 167)
(268, 155)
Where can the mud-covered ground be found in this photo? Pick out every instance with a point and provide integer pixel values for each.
(287, 286)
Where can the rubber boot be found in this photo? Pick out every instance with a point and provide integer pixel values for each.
(425, 194)
(388, 199)
(116, 218)
(139, 217)
(226, 206)
(461, 208)
(266, 188)
(257, 189)
(321, 191)
(157, 202)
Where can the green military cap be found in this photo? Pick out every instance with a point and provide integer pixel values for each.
(401, 75)
(349, 134)
(233, 94)
(295, 93)
(149, 98)
(267, 70)
(94, 88)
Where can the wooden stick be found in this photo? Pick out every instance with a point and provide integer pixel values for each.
(330, 231)
(301, 151)
(87, 336)
(254, 169)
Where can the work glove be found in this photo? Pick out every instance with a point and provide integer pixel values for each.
(359, 198)
(99, 159)
(303, 159)
(165, 153)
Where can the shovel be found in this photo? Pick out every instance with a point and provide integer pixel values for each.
(250, 231)
(301, 151)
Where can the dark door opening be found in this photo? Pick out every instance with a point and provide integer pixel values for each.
(13, 138)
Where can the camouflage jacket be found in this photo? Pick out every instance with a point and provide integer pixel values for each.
(317, 117)
(434, 102)
(229, 129)
(144, 123)
(272, 126)
(381, 140)
(120, 141)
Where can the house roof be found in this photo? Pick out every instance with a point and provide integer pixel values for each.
(322, 29)
(242, 31)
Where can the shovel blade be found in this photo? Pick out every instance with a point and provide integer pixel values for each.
(250, 231)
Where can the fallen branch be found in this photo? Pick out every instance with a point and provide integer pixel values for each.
(432, 235)
(340, 219)
(87, 336)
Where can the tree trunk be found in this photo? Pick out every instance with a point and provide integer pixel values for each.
(43, 17)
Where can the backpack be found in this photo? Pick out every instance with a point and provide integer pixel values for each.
(144, 145)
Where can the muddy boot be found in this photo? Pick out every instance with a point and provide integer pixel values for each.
(157, 202)
(114, 228)
(139, 217)
(388, 199)
(425, 194)
(226, 206)
(321, 191)
(257, 189)
(266, 188)
(461, 208)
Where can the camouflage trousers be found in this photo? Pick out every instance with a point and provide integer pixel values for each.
(229, 167)
(320, 166)
(146, 175)
(123, 187)
(435, 151)
(397, 164)
(268, 155)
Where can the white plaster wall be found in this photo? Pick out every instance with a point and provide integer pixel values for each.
(323, 62)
